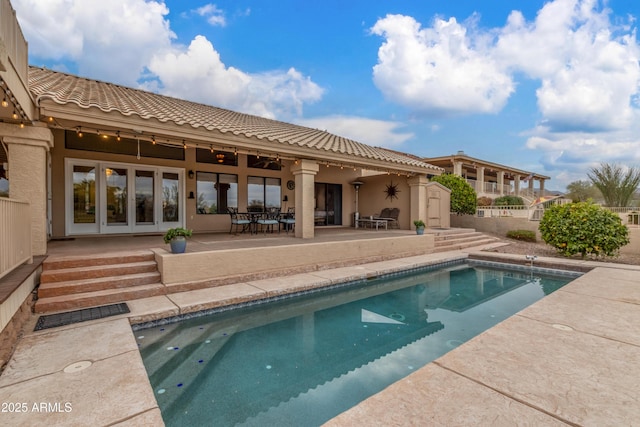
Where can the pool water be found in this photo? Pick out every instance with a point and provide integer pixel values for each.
(303, 360)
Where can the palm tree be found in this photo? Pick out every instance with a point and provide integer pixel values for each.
(616, 186)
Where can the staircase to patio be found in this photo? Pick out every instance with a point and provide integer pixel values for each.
(459, 238)
(75, 282)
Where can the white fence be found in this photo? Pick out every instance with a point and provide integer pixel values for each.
(15, 230)
(630, 216)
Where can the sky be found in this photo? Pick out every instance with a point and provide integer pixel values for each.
(551, 87)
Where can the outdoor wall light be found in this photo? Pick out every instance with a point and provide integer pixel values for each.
(191, 195)
(191, 174)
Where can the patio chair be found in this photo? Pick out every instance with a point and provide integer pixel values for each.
(394, 214)
(391, 216)
(239, 219)
(268, 219)
(288, 220)
(384, 214)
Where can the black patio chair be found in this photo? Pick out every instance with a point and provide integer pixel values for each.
(239, 220)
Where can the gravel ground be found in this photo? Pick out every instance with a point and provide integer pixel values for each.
(541, 249)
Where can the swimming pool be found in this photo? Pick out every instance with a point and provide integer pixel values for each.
(305, 359)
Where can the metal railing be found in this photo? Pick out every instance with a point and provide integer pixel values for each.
(15, 229)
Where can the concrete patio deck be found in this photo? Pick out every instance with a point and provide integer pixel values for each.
(573, 358)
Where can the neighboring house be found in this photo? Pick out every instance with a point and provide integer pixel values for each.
(492, 179)
(95, 158)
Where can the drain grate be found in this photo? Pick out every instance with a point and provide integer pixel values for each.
(77, 316)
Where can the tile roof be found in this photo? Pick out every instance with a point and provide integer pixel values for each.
(60, 88)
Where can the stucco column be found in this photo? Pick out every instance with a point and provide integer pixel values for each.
(541, 187)
(304, 172)
(418, 202)
(27, 154)
(457, 168)
(516, 184)
(480, 180)
(500, 176)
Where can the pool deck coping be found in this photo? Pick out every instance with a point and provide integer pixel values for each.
(91, 373)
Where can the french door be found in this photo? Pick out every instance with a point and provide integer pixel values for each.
(107, 197)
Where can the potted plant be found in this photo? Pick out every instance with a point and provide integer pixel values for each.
(419, 226)
(177, 238)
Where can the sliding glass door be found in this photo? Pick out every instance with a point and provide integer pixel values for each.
(328, 210)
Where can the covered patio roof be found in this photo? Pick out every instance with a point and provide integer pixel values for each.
(69, 102)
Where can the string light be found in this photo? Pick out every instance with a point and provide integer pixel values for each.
(118, 136)
(79, 132)
(5, 104)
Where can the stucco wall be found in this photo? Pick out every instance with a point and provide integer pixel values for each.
(201, 266)
(199, 222)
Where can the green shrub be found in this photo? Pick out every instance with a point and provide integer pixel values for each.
(524, 235)
(174, 232)
(484, 201)
(508, 201)
(583, 228)
(463, 196)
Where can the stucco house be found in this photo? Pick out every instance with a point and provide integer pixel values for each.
(491, 179)
(86, 157)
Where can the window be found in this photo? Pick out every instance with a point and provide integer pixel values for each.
(216, 157)
(131, 147)
(216, 192)
(263, 193)
(264, 162)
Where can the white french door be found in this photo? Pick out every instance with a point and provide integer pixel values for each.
(108, 197)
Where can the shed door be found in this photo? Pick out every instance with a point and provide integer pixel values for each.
(433, 210)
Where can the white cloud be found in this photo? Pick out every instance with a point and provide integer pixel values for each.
(586, 64)
(588, 68)
(197, 73)
(111, 40)
(378, 133)
(437, 69)
(214, 15)
(122, 41)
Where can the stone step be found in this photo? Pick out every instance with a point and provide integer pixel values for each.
(457, 245)
(462, 239)
(458, 236)
(65, 262)
(96, 271)
(97, 298)
(52, 289)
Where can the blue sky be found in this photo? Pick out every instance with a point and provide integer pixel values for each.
(551, 87)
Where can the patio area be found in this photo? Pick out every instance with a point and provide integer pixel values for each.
(201, 242)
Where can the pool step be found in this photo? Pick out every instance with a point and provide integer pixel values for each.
(71, 283)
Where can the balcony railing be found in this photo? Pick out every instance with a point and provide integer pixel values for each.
(15, 229)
